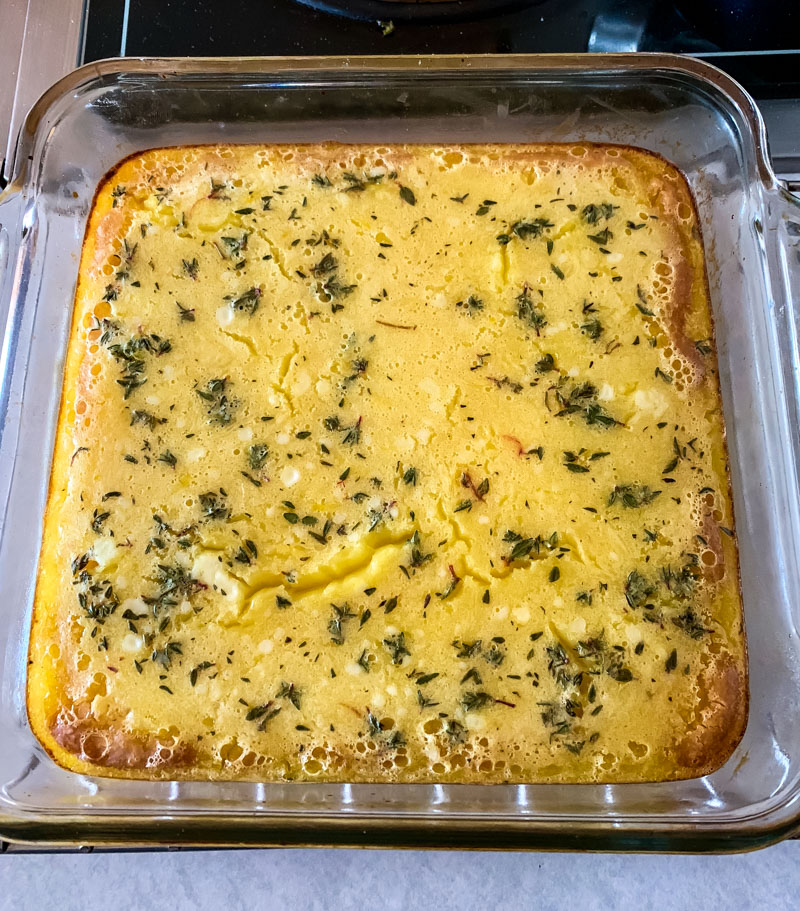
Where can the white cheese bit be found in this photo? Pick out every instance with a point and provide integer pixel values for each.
(104, 552)
(577, 627)
(434, 392)
(131, 643)
(521, 614)
(614, 258)
(474, 722)
(378, 700)
(651, 401)
(265, 647)
(354, 669)
(168, 372)
(302, 383)
(245, 434)
(322, 388)
(497, 264)
(606, 393)
(423, 435)
(194, 455)
(391, 689)
(282, 438)
(499, 612)
(289, 476)
(207, 568)
(153, 400)
(554, 328)
(483, 520)
(135, 604)
(224, 315)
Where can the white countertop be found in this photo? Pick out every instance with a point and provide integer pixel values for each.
(296, 880)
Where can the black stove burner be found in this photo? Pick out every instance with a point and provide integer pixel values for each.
(751, 39)
(421, 11)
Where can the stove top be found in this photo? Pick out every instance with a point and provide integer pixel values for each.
(156, 27)
(756, 41)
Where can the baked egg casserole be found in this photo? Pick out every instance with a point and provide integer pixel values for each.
(392, 463)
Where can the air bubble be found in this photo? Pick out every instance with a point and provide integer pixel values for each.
(95, 746)
(230, 752)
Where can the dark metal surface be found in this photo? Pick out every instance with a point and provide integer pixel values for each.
(441, 11)
(274, 27)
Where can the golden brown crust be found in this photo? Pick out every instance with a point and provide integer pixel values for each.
(720, 722)
(111, 747)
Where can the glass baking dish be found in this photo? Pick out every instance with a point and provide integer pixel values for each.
(687, 111)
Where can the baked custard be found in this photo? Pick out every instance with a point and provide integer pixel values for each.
(390, 463)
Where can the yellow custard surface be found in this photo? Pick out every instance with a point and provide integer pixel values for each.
(393, 463)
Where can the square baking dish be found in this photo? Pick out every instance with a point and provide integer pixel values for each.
(685, 110)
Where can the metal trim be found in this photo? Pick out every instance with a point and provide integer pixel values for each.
(43, 41)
